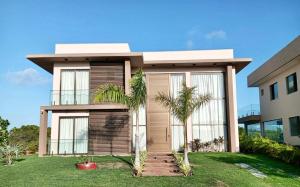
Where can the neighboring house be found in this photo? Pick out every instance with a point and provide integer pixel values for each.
(278, 82)
(80, 126)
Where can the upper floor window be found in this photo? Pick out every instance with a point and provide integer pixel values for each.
(291, 83)
(274, 91)
(74, 87)
(295, 125)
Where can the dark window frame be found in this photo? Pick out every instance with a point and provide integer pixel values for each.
(295, 86)
(292, 129)
(274, 93)
(73, 138)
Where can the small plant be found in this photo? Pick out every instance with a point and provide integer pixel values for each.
(184, 168)
(216, 144)
(9, 153)
(221, 142)
(85, 159)
(196, 145)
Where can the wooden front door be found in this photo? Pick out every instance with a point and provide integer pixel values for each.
(158, 118)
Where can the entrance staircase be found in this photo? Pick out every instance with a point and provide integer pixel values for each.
(160, 164)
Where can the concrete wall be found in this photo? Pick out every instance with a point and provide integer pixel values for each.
(285, 106)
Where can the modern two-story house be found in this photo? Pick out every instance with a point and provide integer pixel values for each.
(278, 83)
(81, 126)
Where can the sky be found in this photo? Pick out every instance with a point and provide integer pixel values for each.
(256, 29)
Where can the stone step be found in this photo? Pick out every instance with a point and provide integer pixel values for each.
(158, 164)
(161, 173)
(160, 161)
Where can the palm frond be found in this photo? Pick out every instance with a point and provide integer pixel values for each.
(171, 103)
(138, 91)
(200, 101)
(111, 93)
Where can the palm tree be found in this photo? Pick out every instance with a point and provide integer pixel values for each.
(135, 100)
(182, 107)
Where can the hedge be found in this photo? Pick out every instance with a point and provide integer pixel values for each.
(258, 144)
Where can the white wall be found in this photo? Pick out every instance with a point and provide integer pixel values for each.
(285, 106)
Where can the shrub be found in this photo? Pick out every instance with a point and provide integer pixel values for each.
(9, 153)
(185, 169)
(258, 144)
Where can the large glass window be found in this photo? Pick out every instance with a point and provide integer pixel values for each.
(253, 129)
(295, 125)
(74, 87)
(274, 130)
(274, 91)
(209, 121)
(291, 83)
(73, 135)
(176, 126)
(142, 128)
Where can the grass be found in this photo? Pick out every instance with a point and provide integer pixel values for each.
(209, 169)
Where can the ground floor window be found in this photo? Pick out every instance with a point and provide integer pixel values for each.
(209, 121)
(73, 135)
(295, 125)
(142, 128)
(273, 130)
(177, 127)
(253, 129)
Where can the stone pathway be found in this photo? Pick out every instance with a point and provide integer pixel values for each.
(161, 164)
(252, 170)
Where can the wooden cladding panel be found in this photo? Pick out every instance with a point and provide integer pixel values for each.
(109, 132)
(106, 72)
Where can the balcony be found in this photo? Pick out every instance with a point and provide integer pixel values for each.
(70, 97)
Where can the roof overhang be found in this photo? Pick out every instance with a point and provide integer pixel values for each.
(46, 61)
(283, 60)
(238, 63)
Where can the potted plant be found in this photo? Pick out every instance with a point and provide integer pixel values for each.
(86, 163)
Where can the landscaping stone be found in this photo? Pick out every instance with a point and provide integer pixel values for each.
(252, 170)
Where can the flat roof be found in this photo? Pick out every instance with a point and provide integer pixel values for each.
(210, 58)
(284, 59)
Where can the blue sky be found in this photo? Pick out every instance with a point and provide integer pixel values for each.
(255, 29)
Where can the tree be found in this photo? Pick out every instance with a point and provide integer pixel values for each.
(26, 136)
(3, 131)
(182, 107)
(135, 100)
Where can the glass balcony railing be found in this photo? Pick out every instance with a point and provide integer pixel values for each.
(70, 97)
(67, 146)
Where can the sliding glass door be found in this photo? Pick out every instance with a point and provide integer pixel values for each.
(176, 125)
(74, 87)
(209, 121)
(73, 135)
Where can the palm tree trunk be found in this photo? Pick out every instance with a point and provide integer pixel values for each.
(137, 163)
(186, 159)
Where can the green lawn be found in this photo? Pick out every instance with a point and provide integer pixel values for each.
(210, 169)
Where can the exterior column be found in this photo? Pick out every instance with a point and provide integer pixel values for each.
(232, 121)
(127, 76)
(189, 121)
(43, 133)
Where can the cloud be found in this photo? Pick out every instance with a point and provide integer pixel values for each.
(27, 76)
(216, 34)
(189, 43)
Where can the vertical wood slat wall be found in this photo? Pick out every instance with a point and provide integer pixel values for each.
(109, 130)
